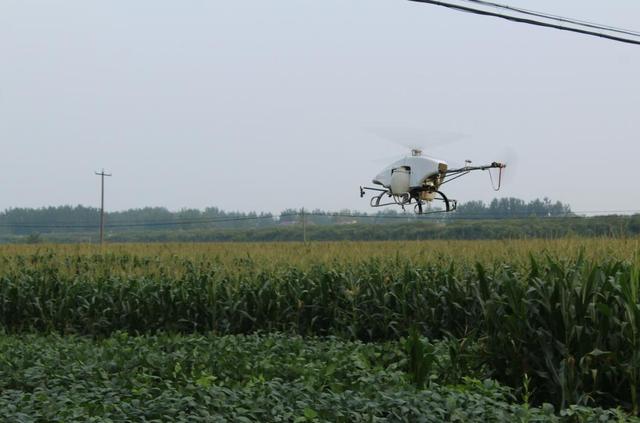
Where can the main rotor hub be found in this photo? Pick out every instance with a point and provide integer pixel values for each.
(415, 152)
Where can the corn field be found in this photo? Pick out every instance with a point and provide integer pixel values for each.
(555, 322)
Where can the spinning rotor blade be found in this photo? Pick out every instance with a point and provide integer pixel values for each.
(504, 176)
(417, 139)
(396, 157)
(389, 159)
(510, 158)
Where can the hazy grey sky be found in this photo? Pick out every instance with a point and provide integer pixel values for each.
(264, 105)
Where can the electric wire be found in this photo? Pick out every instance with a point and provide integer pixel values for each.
(527, 21)
(556, 17)
(447, 216)
(144, 224)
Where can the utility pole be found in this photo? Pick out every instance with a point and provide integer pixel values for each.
(304, 227)
(102, 175)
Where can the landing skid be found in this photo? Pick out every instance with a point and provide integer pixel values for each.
(404, 200)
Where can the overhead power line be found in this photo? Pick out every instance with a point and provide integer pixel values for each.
(529, 21)
(142, 224)
(403, 217)
(556, 17)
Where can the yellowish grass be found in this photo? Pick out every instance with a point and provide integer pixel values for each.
(267, 254)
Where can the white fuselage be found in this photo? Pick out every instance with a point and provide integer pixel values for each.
(421, 168)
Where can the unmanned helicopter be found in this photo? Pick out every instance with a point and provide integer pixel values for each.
(417, 179)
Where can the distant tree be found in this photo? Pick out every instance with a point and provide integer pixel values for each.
(33, 238)
(510, 207)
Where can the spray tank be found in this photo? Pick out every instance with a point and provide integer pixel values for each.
(400, 180)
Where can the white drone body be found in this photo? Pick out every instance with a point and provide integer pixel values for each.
(415, 172)
(417, 178)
